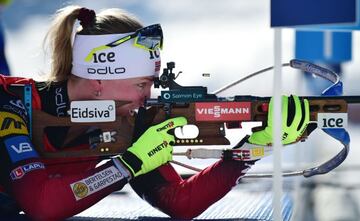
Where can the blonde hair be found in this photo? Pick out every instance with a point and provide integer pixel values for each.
(59, 36)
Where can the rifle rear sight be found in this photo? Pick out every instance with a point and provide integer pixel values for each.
(167, 78)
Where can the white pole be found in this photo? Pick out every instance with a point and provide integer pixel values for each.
(277, 179)
(328, 39)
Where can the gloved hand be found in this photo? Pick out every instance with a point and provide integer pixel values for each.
(152, 149)
(295, 118)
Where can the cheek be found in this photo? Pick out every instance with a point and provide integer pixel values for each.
(128, 93)
(122, 92)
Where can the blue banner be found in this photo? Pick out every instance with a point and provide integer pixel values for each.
(311, 46)
(311, 12)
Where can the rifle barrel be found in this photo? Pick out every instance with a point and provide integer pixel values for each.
(351, 99)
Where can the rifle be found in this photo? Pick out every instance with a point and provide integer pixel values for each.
(211, 114)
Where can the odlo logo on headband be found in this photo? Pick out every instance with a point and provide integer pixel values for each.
(92, 111)
(106, 70)
(104, 58)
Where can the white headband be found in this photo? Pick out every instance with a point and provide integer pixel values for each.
(119, 62)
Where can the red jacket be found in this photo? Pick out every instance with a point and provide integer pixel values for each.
(45, 189)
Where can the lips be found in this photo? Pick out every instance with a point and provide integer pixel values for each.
(127, 109)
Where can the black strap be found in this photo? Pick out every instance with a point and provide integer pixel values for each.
(140, 124)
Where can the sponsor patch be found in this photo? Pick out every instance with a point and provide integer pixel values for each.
(60, 102)
(222, 111)
(11, 124)
(93, 111)
(242, 154)
(161, 146)
(16, 106)
(168, 125)
(332, 120)
(157, 66)
(258, 152)
(20, 171)
(20, 148)
(96, 182)
(80, 190)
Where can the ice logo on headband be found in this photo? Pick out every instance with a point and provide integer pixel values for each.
(95, 58)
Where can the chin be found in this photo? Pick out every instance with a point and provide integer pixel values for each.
(125, 112)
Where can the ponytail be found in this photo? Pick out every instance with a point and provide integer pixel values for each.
(59, 37)
(59, 40)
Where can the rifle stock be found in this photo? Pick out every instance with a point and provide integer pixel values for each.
(41, 120)
(210, 132)
(191, 102)
(210, 113)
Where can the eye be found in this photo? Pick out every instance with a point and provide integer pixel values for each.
(141, 85)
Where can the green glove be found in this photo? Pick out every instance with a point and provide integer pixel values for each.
(295, 118)
(152, 149)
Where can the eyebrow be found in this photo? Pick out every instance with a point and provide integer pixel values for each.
(148, 78)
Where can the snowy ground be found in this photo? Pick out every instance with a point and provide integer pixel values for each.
(228, 39)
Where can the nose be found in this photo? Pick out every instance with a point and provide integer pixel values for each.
(143, 98)
(147, 93)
